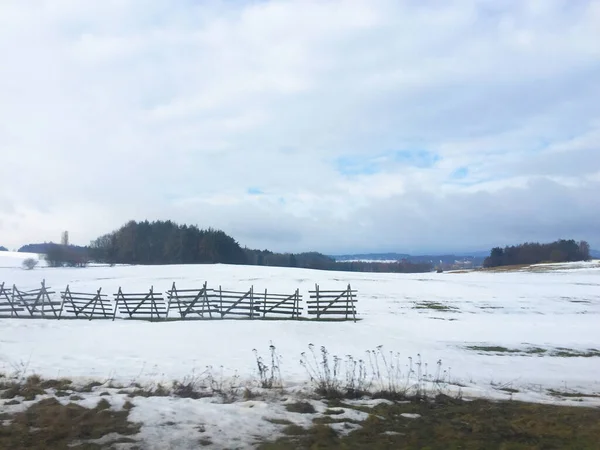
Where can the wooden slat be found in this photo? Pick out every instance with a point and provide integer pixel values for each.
(292, 295)
(200, 311)
(138, 294)
(39, 305)
(339, 302)
(275, 301)
(74, 294)
(148, 307)
(88, 301)
(100, 311)
(148, 313)
(331, 309)
(177, 291)
(332, 292)
(140, 302)
(90, 307)
(261, 306)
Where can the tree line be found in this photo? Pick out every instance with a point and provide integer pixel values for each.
(535, 253)
(165, 242)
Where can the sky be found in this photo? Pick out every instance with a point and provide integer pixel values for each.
(335, 126)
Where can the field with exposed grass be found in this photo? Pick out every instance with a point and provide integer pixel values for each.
(504, 338)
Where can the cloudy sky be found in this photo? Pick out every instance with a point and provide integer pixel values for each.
(337, 126)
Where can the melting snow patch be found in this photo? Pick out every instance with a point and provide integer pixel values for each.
(411, 416)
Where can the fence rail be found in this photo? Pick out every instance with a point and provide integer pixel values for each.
(90, 306)
(7, 304)
(146, 305)
(333, 303)
(38, 302)
(176, 304)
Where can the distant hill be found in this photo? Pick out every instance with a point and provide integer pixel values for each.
(3, 249)
(595, 254)
(372, 257)
(43, 248)
(475, 259)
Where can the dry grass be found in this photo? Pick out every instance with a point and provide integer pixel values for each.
(301, 408)
(453, 424)
(50, 425)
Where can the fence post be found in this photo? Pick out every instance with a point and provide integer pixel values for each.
(221, 300)
(297, 305)
(169, 298)
(205, 303)
(96, 300)
(12, 298)
(252, 302)
(117, 304)
(41, 296)
(62, 306)
(265, 305)
(318, 306)
(353, 308)
(152, 304)
(348, 300)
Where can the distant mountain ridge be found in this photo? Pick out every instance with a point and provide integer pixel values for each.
(476, 258)
(46, 246)
(372, 256)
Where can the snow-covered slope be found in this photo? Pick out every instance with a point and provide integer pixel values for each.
(458, 318)
(12, 260)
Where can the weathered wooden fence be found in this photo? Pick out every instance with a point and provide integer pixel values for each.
(340, 304)
(180, 304)
(89, 306)
(8, 308)
(38, 302)
(192, 303)
(279, 304)
(148, 306)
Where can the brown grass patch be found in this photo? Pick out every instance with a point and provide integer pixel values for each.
(50, 425)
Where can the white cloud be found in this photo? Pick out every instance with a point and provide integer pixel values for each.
(120, 110)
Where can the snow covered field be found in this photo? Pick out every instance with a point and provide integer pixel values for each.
(523, 330)
(436, 315)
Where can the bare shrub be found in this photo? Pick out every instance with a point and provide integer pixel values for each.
(29, 263)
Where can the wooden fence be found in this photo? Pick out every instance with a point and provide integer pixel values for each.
(89, 306)
(180, 304)
(340, 304)
(38, 302)
(192, 303)
(8, 308)
(149, 306)
(279, 304)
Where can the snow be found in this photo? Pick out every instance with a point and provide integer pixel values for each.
(551, 307)
(11, 260)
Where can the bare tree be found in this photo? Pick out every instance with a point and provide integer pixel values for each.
(584, 250)
(30, 263)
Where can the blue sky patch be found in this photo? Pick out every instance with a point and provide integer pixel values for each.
(357, 165)
(369, 165)
(460, 173)
(254, 191)
(417, 158)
